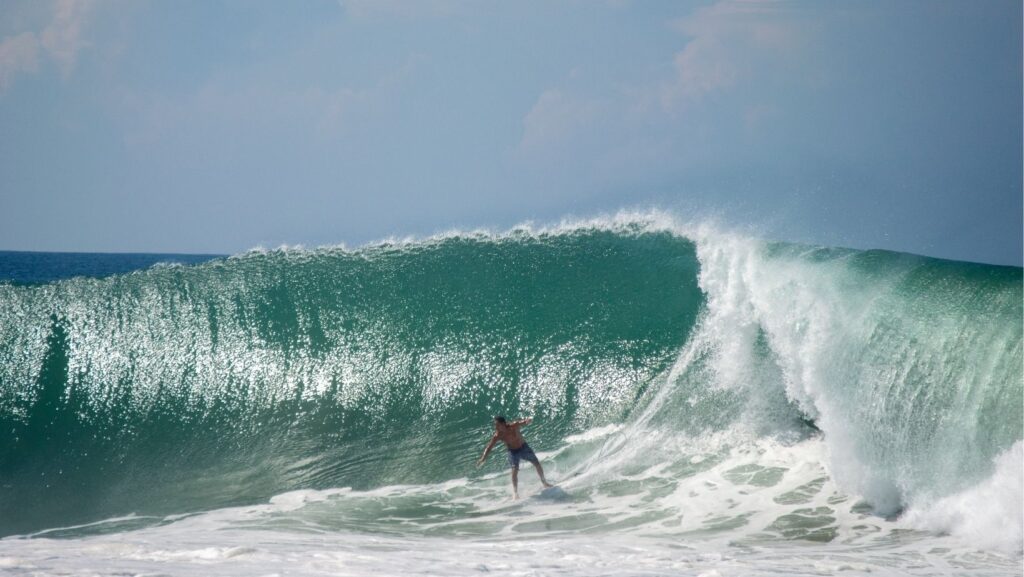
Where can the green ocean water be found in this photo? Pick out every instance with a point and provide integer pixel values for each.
(184, 388)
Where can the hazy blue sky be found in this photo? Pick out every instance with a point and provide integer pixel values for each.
(218, 126)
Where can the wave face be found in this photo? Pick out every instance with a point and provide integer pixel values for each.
(179, 388)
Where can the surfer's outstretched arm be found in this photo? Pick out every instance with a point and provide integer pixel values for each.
(487, 450)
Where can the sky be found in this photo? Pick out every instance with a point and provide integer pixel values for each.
(215, 127)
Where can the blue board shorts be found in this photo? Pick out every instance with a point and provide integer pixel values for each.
(524, 452)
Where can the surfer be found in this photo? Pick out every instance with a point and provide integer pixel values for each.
(509, 434)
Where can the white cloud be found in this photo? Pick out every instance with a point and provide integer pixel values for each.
(216, 111)
(17, 54)
(731, 42)
(402, 8)
(555, 118)
(725, 91)
(219, 107)
(61, 39)
(753, 46)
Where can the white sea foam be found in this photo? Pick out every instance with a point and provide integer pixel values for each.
(989, 515)
(595, 433)
(723, 518)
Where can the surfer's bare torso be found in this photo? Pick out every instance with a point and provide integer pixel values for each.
(511, 436)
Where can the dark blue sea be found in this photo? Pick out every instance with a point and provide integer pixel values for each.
(27, 267)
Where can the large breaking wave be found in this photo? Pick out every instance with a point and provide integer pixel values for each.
(647, 352)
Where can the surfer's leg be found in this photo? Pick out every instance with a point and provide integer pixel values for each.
(540, 473)
(513, 462)
(530, 456)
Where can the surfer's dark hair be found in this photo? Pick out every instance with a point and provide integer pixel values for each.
(500, 419)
